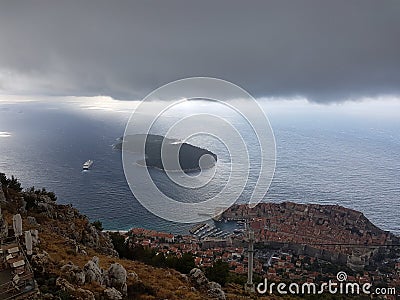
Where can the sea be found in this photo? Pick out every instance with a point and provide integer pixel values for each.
(345, 154)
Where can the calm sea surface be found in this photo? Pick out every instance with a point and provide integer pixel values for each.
(321, 158)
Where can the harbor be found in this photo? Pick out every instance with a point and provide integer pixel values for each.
(219, 230)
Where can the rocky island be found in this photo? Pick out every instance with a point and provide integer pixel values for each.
(161, 153)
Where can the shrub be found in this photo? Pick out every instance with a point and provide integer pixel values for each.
(11, 183)
(219, 272)
(98, 225)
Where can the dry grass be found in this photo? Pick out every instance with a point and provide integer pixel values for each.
(156, 283)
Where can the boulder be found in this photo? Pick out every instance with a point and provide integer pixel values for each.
(40, 262)
(198, 278)
(64, 285)
(31, 220)
(215, 291)
(90, 236)
(200, 281)
(133, 276)
(46, 209)
(116, 277)
(85, 294)
(213, 285)
(112, 294)
(73, 273)
(77, 293)
(93, 272)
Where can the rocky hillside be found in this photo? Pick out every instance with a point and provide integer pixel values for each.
(72, 259)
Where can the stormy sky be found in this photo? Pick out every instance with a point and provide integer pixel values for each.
(321, 50)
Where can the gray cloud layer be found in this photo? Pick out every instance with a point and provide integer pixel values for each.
(323, 50)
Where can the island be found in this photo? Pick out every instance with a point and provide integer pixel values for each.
(191, 158)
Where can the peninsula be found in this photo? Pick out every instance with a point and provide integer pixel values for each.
(73, 258)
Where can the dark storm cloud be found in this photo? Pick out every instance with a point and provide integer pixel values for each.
(323, 50)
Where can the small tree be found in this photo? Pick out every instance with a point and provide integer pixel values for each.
(31, 201)
(98, 225)
(186, 263)
(3, 179)
(11, 183)
(219, 272)
(14, 184)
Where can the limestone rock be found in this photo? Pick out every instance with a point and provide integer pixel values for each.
(112, 294)
(134, 276)
(78, 293)
(46, 208)
(200, 281)
(116, 277)
(73, 273)
(93, 272)
(64, 285)
(213, 285)
(85, 294)
(215, 291)
(185, 278)
(198, 278)
(31, 220)
(40, 262)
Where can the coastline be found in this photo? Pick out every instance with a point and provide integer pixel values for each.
(225, 217)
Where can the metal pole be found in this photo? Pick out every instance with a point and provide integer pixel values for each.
(250, 285)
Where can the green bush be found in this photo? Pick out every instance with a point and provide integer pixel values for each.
(219, 272)
(149, 256)
(98, 225)
(11, 183)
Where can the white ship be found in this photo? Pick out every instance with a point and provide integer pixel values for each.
(87, 164)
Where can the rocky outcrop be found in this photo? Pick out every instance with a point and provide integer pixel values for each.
(85, 234)
(68, 236)
(211, 288)
(77, 293)
(40, 262)
(73, 274)
(115, 278)
(214, 291)
(197, 277)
